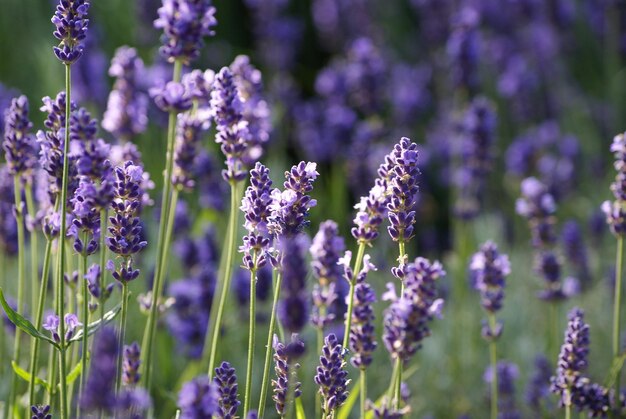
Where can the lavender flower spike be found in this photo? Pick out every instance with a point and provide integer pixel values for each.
(616, 211)
(489, 269)
(286, 371)
(19, 143)
(362, 339)
(41, 412)
(198, 399)
(99, 393)
(130, 365)
(226, 381)
(70, 19)
(256, 208)
(331, 376)
(185, 23)
(188, 132)
(572, 361)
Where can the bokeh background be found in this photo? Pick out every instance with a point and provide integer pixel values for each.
(345, 79)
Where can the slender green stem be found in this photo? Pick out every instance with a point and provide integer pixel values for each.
(103, 252)
(62, 255)
(494, 372)
(568, 411)
(162, 248)
(398, 386)
(85, 313)
(616, 306)
(320, 345)
(357, 267)
(118, 379)
(2, 335)
(251, 336)
(394, 379)
(363, 395)
(224, 282)
(34, 248)
(21, 270)
(268, 349)
(398, 390)
(38, 320)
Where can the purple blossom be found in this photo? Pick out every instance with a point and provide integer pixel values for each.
(52, 324)
(185, 23)
(41, 412)
(362, 331)
(463, 49)
(70, 20)
(286, 369)
(99, 392)
(403, 190)
(85, 227)
(19, 143)
(188, 133)
(198, 85)
(331, 376)
(507, 373)
(575, 251)
(127, 108)
(489, 268)
(171, 97)
(614, 211)
(371, 210)
(293, 307)
(130, 364)
(198, 399)
(256, 208)
(226, 381)
(538, 389)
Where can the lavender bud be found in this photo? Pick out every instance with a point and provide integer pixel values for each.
(71, 29)
(286, 371)
(19, 143)
(40, 412)
(403, 190)
(130, 365)
(331, 376)
(489, 269)
(198, 399)
(226, 381)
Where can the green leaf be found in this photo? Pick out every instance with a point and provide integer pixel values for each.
(25, 375)
(344, 411)
(75, 373)
(20, 321)
(92, 327)
(300, 409)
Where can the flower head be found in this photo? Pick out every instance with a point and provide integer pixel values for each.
(70, 20)
(130, 364)
(188, 135)
(489, 269)
(226, 381)
(19, 143)
(286, 369)
(198, 399)
(331, 376)
(99, 392)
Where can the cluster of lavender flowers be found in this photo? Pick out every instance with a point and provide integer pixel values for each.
(614, 211)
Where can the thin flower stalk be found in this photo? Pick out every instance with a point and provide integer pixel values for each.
(34, 246)
(357, 268)
(617, 306)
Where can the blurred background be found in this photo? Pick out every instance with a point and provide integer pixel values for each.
(345, 80)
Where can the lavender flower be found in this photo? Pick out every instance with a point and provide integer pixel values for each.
(293, 308)
(462, 49)
(370, 213)
(41, 412)
(403, 190)
(185, 23)
(99, 392)
(130, 364)
(19, 144)
(226, 382)
(576, 251)
(8, 223)
(256, 208)
(52, 323)
(406, 320)
(133, 403)
(489, 269)
(188, 131)
(538, 389)
(362, 338)
(171, 97)
(291, 206)
(506, 373)
(255, 110)
(85, 226)
(71, 29)
(329, 294)
(124, 227)
(198, 85)
(198, 399)
(232, 129)
(386, 410)
(286, 371)
(127, 108)
(614, 211)
(572, 361)
(331, 376)
(93, 284)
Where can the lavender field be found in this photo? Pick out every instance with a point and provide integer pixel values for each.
(312, 208)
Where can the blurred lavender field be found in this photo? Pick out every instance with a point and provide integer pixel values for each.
(514, 107)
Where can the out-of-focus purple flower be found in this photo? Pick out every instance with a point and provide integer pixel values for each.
(409, 92)
(340, 22)
(125, 227)
(406, 320)
(89, 82)
(211, 188)
(172, 97)
(291, 206)
(255, 109)
(286, 369)
(185, 23)
(8, 224)
(572, 361)
(538, 207)
(538, 388)
(133, 403)
(70, 20)
(576, 251)
(386, 410)
(130, 365)
(226, 381)
(614, 211)
(127, 107)
(362, 340)
(99, 392)
(507, 373)
(489, 268)
(293, 308)
(330, 291)
(434, 20)
(463, 50)
(256, 208)
(188, 136)
(52, 323)
(331, 375)
(198, 399)
(40, 412)
(403, 190)
(19, 143)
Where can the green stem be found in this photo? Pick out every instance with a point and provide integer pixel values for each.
(61, 255)
(357, 267)
(231, 245)
(85, 312)
(616, 306)
(38, 320)
(103, 252)
(21, 270)
(398, 391)
(2, 335)
(494, 372)
(268, 349)
(363, 395)
(568, 412)
(118, 379)
(246, 403)
(148, 338)
(393, 381)
(34, 248)
(320, 345)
